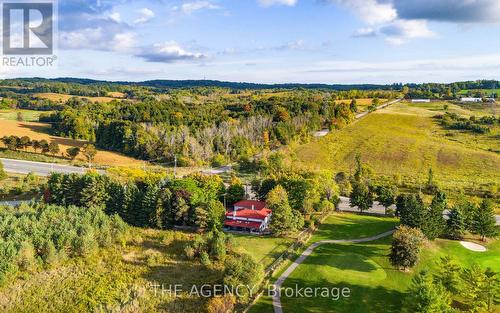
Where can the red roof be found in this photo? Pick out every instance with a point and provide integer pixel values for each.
(245, 224)
(257, 205)
(246, 213)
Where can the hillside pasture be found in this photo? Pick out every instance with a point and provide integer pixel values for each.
(40, 131)
(27, 115)
(404, 140)
(62, 98)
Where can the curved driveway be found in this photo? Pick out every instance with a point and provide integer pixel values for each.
(278, 284)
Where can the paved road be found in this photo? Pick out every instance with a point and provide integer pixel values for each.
(279, 283)
(324, 132)
(39, 168)
(15, 203)
(385, 105)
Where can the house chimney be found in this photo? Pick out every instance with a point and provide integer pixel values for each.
(234, 213)
(253, 207)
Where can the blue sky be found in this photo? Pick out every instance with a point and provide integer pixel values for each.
(275, 41)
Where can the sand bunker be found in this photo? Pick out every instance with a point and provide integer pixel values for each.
(473, 246)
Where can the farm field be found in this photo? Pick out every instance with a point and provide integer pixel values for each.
(404, 140)
(63, 97)
(364, 268)
(27, 115)
(486, 91)
(39, 131)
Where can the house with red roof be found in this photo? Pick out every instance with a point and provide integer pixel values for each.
(249, 216)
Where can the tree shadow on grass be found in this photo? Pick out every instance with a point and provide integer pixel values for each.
(340, 259)
(361, 298)
(353, 229)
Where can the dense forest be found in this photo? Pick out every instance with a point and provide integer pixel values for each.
(199, 126)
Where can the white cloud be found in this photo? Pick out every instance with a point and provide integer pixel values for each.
(115, 17)
(191, 7)
(294, 45)
(145, 16)
(400, 31)
(168, 52)
(370, 11)
(268, 3)
(97, 39)
(365, 32)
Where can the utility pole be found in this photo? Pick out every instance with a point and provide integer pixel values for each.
(175, 164)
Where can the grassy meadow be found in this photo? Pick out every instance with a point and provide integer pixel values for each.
(403, 142)
(118, 279)
(364, 268)
(62, 98)
(27, 115)
(39, 131)
(264, 249)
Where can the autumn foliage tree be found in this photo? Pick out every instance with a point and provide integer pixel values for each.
(406, 247)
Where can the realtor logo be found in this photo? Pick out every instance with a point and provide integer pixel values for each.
(28, 28)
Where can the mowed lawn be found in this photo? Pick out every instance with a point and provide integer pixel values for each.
(39, 131)
(364, 268)
(404, 140)
(352, 226)
(264, 249)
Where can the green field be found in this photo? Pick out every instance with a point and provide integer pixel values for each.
(265, 249)
(28, 115)
(364, 268)
(405, 141)
(486, 91)
(342, 226)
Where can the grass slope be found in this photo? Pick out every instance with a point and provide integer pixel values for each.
(28, 115)
(364, 268)
(404, 140)
(39, 131)
(63, 97)
(265, 249)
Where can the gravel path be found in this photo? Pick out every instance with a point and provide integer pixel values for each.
(279, 283)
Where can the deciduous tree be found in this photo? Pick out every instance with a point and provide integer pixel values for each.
(406, 246)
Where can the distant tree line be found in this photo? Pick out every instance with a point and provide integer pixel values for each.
(450, 91)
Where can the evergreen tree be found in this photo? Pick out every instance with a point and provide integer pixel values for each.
(410, 208)
(425, 296)
(483, 220)
(448, 275)
(455, 225)
(475, 290)
(434, 222)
